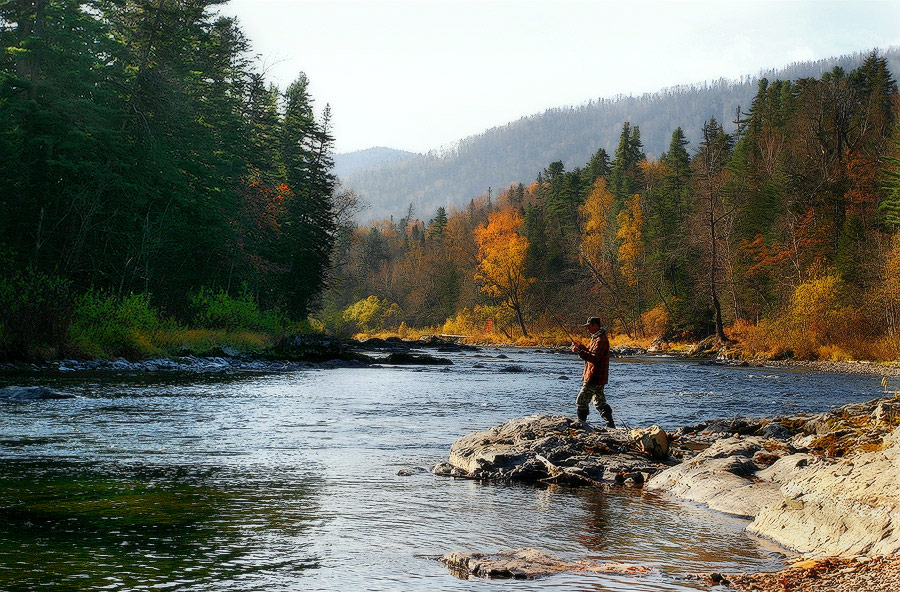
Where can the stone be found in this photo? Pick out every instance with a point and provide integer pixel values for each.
(31, 393)
(404, 358)
(527, 564)
(721, 477)
(652, 440)
(846, 507)
(549, 448)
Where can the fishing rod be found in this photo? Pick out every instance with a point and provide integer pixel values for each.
(557, 319)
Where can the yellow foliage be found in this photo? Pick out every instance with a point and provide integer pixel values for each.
(372, 314)
(631, 226)
(598, 237)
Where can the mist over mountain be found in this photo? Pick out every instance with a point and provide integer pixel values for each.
(390, 180)
(352, 162)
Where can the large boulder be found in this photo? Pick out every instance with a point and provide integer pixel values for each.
(848, 507)
(553, 448)
(722, 477)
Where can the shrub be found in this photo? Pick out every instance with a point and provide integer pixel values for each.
(372, 314)
(220, 310)
(105, 326)
(656, 321)
(35, 312)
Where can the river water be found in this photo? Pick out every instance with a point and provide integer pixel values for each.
(290, 481)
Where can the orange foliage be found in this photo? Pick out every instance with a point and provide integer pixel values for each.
(501, 266)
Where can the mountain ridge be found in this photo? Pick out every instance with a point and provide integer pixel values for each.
(516, 151)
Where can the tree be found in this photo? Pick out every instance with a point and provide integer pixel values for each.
(625, 175)
(501, 265)
(713, 212)
(631, 251)
(305, 149)
(597, 247)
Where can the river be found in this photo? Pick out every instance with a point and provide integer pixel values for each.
(167, 481)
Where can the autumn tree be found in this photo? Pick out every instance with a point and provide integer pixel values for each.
(598, 249)
(501, 265)
(631, 253)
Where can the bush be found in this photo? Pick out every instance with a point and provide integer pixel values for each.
(35, 312)
(220, 310)
(656, 321)
(105, 326)
(372, 314)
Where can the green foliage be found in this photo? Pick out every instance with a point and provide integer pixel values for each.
(141, 152)
(105, 326)
(373, 314)
(217, 309)
(35, 309)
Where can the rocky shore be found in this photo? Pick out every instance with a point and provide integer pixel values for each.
(824, 485)
(298, 352)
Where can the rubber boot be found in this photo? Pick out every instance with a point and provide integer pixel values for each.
(582, 415)
(607, 415)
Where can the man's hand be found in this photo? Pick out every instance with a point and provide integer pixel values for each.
(577, 347)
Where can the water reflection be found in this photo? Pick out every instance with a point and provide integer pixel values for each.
(290, 481)
(92, 526)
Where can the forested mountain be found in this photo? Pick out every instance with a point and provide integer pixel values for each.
(512, 153)
(783, 232)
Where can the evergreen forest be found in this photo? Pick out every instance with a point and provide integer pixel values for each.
(151, 179)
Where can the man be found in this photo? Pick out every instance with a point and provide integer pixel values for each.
(596, 371)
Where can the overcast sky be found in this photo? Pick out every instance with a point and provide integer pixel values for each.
(419, 74)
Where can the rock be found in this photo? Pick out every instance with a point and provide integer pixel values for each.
(514, 369)
(550, 448)
(721, 478)
(527, 564)
(886, 412)
(406, 359)
(775, 431)
(849, 507)
(408, 472)
(652, 440)
(31, 393)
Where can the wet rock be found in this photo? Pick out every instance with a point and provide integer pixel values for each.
(315, 348)
(527, 564)
(548, 448)
(406, 359)
(31, 393)
(408, 472)
(514, 369)
(444, 345)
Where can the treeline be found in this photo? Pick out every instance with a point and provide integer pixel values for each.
(517, 150)
(142, 152)
(783, 233)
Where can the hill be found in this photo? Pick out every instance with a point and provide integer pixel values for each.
(517, 151)
(351, 163)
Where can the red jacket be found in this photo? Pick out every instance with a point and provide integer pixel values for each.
(596, 359)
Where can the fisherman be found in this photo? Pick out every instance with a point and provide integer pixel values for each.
(596, 371)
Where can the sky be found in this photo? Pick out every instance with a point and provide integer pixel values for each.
(419, 75)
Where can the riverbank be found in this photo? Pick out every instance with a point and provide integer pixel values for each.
(835, 574)
(822, 485)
